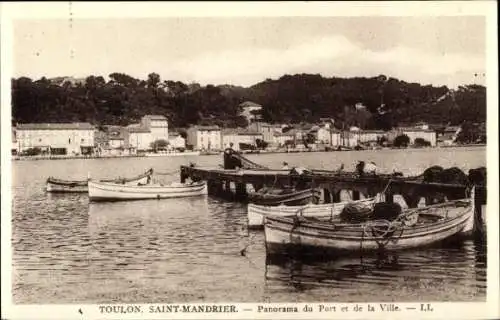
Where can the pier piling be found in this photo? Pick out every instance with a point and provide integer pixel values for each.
(241, 191)
(327, 196)
(355, 195)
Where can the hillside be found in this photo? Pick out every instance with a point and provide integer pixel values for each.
(377, 102)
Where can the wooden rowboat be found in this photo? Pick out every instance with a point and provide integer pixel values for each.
(74, 186)
(275, 197)
(59, 185)
(413, 228)
(106, 191)
(257, 213)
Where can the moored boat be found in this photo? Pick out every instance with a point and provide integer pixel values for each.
(81, 186)
(275, 197)
(257, 213)
(413, 228)
(59, 185)
(106, 191)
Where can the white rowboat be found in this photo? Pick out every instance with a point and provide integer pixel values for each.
(430, 225)
(257, 213)
(104, 191)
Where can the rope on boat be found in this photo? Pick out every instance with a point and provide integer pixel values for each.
(384, 231)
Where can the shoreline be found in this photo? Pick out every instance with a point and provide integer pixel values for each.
(201, 153)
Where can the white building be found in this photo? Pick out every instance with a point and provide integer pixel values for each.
(267, 130)
(335, 138)
(282, 138)
(139, 138)
(157, 126)
(56, 138)
(205, 137)
(355, 137)
(176, 141)
(324, 134)
(238, 137)
(415, 133)
(142, 135)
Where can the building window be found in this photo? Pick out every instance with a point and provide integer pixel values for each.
(83, 140)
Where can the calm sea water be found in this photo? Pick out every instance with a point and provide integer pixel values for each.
(67, 250)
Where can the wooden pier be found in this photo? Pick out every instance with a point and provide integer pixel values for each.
(221, 181)
(234, 183)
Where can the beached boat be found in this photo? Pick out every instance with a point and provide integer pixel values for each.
(275, 197)
(106, 191)
(256, 213)
(81, 186)
(413, 228)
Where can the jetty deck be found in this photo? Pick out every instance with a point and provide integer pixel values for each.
(221, 181)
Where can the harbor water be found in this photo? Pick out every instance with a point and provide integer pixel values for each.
(67, 250)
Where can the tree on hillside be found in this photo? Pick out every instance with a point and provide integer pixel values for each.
(153, 80)
(289, 99)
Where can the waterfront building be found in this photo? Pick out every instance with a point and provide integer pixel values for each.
(324, 134)
(281, 138)
(176, 141)
(335, 138)
(113, 141)
(139, 138)
(448, 135)
(157, 126)
(356, 137)
(205, 137)
(150, 129)
(428, 135)
(56, 138)
(116, 141)
(240, 138)
(414, 133)
(266, 129)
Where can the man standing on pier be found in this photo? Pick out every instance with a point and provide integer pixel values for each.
(229, 161)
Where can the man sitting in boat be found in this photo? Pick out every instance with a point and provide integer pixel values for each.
(285, 166)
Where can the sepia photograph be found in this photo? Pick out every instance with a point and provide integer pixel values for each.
(164, 162)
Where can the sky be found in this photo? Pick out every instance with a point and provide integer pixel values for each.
(244, 51)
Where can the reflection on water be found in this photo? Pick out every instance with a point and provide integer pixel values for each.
(441, 271)
(67, 250)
